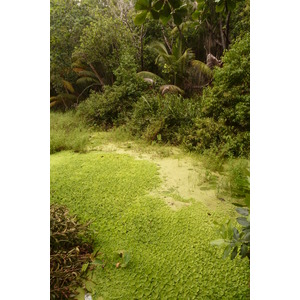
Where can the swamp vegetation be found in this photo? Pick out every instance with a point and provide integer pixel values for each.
(150, 148)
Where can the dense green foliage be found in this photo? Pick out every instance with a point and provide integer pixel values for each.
(225, 119)
(115, 103)
(171, 72)
(98, 53)
(71, 248)
(67, 133)
(171, 255)
(163, 118)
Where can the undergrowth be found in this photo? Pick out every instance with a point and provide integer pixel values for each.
(71, 248)
(67, 132)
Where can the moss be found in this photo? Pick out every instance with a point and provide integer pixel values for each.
(171, 255)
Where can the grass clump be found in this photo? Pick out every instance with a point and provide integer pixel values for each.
(67, 132)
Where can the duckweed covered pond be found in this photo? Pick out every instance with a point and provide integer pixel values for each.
(171, 255)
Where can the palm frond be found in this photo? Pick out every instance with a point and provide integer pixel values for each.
(150, 75)
(184, 59)
(170, 88)
(86, 81)
(77, 70)
(68, 86)
(202, 68)
(63, 96)
(163, 56)
(159, 48)
(78, 63)
(53, 103)
(85, 73)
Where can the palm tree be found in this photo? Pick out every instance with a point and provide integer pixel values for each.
(175, 66)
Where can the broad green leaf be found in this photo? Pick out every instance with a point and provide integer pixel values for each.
(177, 19)
(140, 18)
(158, 4)
(227, 251)
(196, 15)
(243, 221)
(164, 19)
(234, 252)
(175, 3)
(236, 234)
(166, 10)
(231, 5)
(238, 204)
(242, 211)
(154, 14)
(220, 8)
(142, 4)
(247, 237)
(181, 11)
(244, 250)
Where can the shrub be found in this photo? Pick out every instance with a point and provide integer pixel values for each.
(166, 118)
(71, 247)
(114, 105)
(225, 115)
(236, 241)
(67, 132)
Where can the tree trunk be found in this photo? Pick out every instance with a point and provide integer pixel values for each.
(142, 48)
(227, 30)
(222, 35)
(96, 73)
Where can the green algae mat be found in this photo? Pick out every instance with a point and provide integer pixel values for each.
(170, 252)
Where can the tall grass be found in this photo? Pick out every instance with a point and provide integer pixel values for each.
(67, 132)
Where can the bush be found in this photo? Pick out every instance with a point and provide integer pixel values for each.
(225, 115)
(114, 105)
(67, 132)
(163, 118)
(71, 247)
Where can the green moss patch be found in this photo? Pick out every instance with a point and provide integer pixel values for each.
(170, 252)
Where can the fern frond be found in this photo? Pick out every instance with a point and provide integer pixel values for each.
(170, 88)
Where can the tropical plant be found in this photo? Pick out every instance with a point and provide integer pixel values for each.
(166, 118)
(225, 117)
(67, 21)
(64, 100)
(101, 46)
(175, 67)
(236, 241)
(164, 10)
